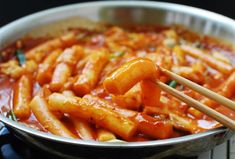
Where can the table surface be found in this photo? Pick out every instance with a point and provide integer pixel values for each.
(223, 151)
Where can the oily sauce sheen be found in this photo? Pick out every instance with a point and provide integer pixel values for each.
(82, 81)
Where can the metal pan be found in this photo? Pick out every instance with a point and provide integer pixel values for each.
(123, 12)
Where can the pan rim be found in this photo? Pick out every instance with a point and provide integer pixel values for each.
(154, 143)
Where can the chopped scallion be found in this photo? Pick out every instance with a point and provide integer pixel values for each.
(116, 54)
(172, 84)
(11, 115)
(20, 56)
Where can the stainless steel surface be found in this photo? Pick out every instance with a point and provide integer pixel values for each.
(68, 149)
(138, 12)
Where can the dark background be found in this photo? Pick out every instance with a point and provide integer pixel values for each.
(13, 9)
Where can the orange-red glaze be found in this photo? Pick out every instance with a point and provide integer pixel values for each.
(136, 51)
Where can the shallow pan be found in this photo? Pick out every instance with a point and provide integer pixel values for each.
(136, 12)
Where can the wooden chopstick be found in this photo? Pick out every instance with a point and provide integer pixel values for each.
(206, 92)
(226, 121)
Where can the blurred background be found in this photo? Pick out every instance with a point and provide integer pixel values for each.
(14, 9)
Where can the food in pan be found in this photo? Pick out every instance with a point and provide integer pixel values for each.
(98, 85)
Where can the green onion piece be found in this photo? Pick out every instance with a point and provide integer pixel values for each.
(172, 84)
(116, 54)
(11, 115)
(20, 56)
